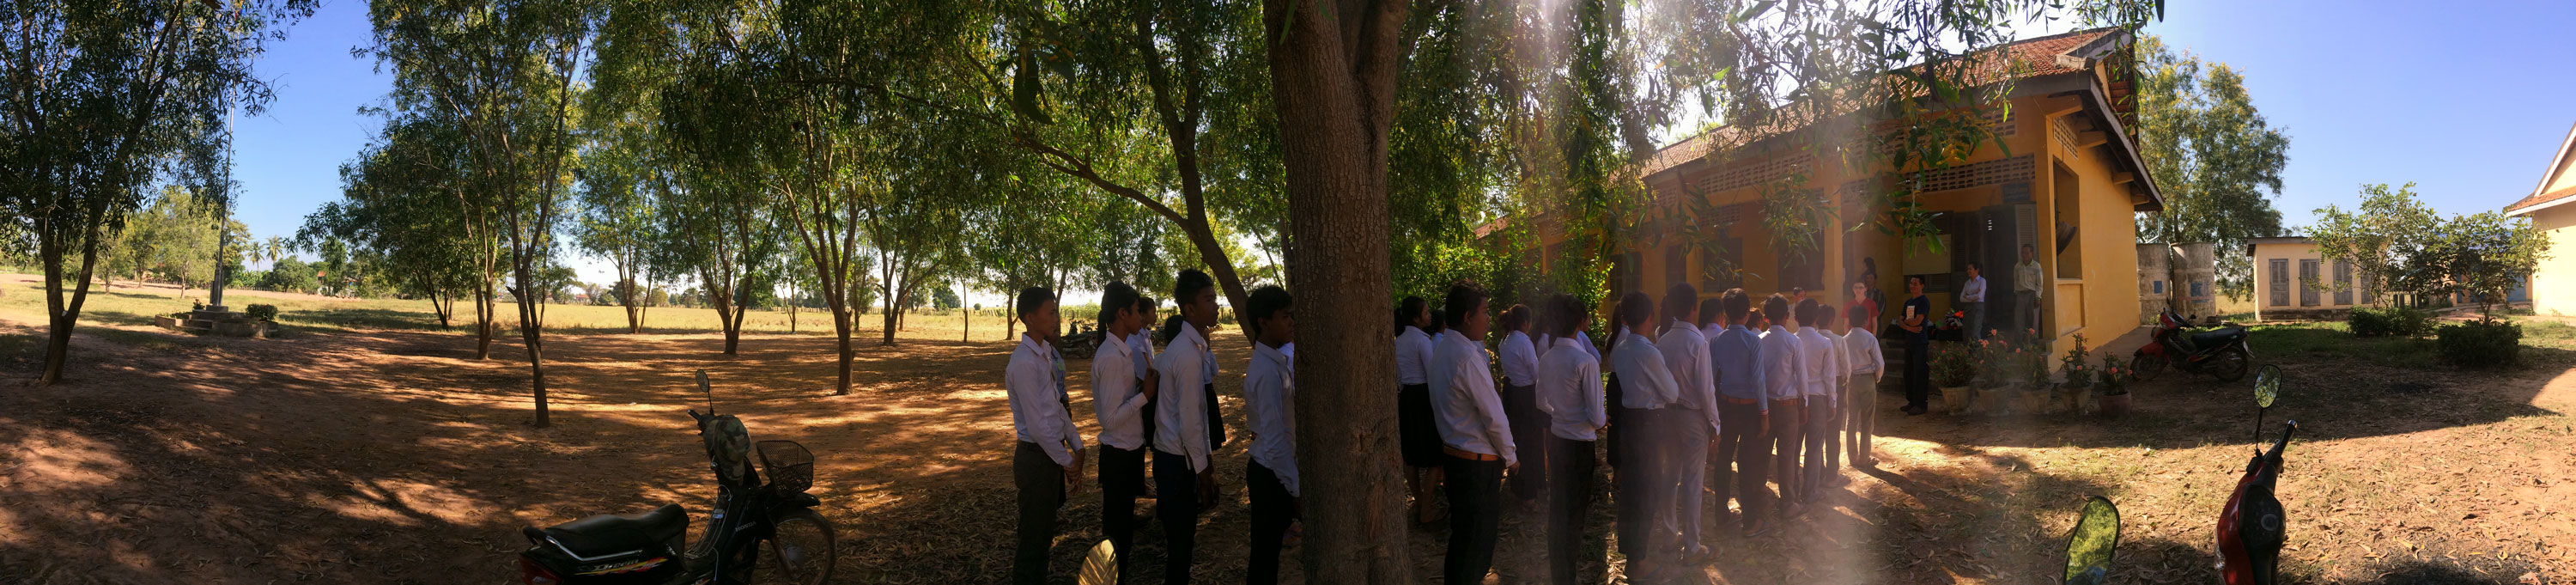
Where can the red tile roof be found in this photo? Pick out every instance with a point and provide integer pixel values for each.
(2539, 198)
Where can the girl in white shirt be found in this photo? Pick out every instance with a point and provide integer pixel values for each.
(1519, 359)
(1419, 441)
(1569, 390)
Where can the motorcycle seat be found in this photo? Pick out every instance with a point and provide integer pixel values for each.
(2207, 339)
(616, 533)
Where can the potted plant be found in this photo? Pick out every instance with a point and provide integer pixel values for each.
(2113, 386)
(2079, 375)
(1997, 371)
(1953, 368)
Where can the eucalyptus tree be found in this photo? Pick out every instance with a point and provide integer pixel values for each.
(503, 76)
(100, 99)
(403, 203)
(618, 187)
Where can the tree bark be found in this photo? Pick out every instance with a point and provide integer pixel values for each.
(1332, 66)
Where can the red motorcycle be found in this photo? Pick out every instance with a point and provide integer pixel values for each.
(2251, 530)
(2220, 352)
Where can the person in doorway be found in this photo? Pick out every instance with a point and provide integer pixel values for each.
(1784, 379)
(1418, 435)
(1047, 465)
(1860, 391)
(1569, 390)
(1824, 353)
(1474, 434)
(1270, 410)
(1918, 346)
(1972, 300)
(1187, 426)
(1691, 421)
(1644, 485)
(2026, 289)
(1120, 402)
(1741, 409)
(1519, 359)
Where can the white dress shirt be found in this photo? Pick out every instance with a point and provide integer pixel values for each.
(1270, 409)
(1618, 334)
(1862, 353)
(1141, 347)
(1694, 378)
(1470, 414)
(1180, 412)
(1115, 397)
(1520, 360)
(1569, 391)
(1648, 384)
(1784, 369)
(1412, 350)
(1975, 291)
(1824, 364)
(1588, 347)
(1034, 381)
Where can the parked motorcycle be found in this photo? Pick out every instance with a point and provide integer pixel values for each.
(2220, 352)
(2253, 526)
(763, 524)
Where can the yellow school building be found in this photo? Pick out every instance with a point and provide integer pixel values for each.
(2068, 182)
(2553, 285)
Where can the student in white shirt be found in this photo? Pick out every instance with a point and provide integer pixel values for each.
(1742, 406)
(1186, 427)
(1784, 379)
(1141, 347)
(1860, 394)
(1645, 480)
(1825, 368)
(1690, 423)
(1418, 436)
(1519, 359)
(1569, 390)
(1270, 410)
(1120, 401)
(1047, 464)
(1473, 433)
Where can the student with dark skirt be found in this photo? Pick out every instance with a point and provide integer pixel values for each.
(1569, 392)
(1519, 359)
(1473, 434)
(1645, 483)
(1186, 427)
(1047, 465)
(1119, 401)
(1419, 440)
(1270, 411)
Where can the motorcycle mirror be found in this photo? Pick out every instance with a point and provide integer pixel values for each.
(2089, 549)
(709, 390)
(2267, 386)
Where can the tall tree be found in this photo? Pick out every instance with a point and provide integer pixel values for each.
(101, 99)
(2214, 157)
(617, 198)
(402, 202)
(504, 75)
(2396, 243)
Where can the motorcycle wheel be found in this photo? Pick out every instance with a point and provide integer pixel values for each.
(801, 553)
(2228, 365)
(2146, 366)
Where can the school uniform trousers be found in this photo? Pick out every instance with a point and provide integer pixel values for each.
(1122, 480)
(1860, 413)
(1615, 436)
(1041, 486)
(1819, 426)
(1569, 469)
(1788, 428)
(1687, 436)
(1529, 427)
(1918, 370)
(1272, 510)
(1645, 486)
(1177, 503)
(1740, 441)
(1475, 491)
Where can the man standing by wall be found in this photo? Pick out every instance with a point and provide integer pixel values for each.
(1972, 300)
(2026, 283)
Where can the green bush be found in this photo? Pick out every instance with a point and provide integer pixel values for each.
(2382, 322)
(2484, 343)
(261, 312)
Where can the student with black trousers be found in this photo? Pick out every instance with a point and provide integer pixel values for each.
(1119, 401)
(1474, 434)
(1569, 392)
(1918, 347)
(1187, 427)
(1646, 485)
(1418, 435)
(1519, 359)
(1047, 465)
(1270, 411)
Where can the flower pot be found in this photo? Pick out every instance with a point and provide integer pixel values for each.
(2115, 405)
(1955, 399)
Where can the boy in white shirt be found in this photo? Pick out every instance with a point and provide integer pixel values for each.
(1569, 390)
(1047, 464)
(1824, 375)
(1185, 428)
(1645, 484)
(1860, 394)
(1784, 380)
(1120, 402)
(1519, 359)
(1691, 422)
(1473, 433)
(1270, 409)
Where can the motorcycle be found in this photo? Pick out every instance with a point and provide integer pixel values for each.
(2252, 528)
(2221, 352)
(763, 523)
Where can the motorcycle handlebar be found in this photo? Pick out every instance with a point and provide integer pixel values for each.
(2286, 430)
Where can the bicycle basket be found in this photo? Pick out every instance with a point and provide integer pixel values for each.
(790, 467)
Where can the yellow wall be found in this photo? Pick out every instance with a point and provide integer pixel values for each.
(2292, 253)
(2553, 286)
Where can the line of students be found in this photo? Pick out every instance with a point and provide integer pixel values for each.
(1761, 397)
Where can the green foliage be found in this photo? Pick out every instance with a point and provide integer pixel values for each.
(943, 297)
(290, 275)
(2214, 157)
(2398, 244)
(2077, 365)
(2389, 321)
(2114, 377)
(1953, 365)
(263, 312)
(2484, 343)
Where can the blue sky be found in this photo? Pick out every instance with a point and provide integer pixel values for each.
(2468, 103)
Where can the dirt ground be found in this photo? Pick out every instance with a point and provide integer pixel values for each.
(395, 457)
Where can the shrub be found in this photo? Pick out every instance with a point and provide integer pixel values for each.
(2484, 343)
(261, 312)
(2381, 322)
(1953, 366)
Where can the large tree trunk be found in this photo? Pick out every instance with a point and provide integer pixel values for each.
(727, 315)
(1332, 80)
(531, 330)
(63, 314)
(484, 307)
